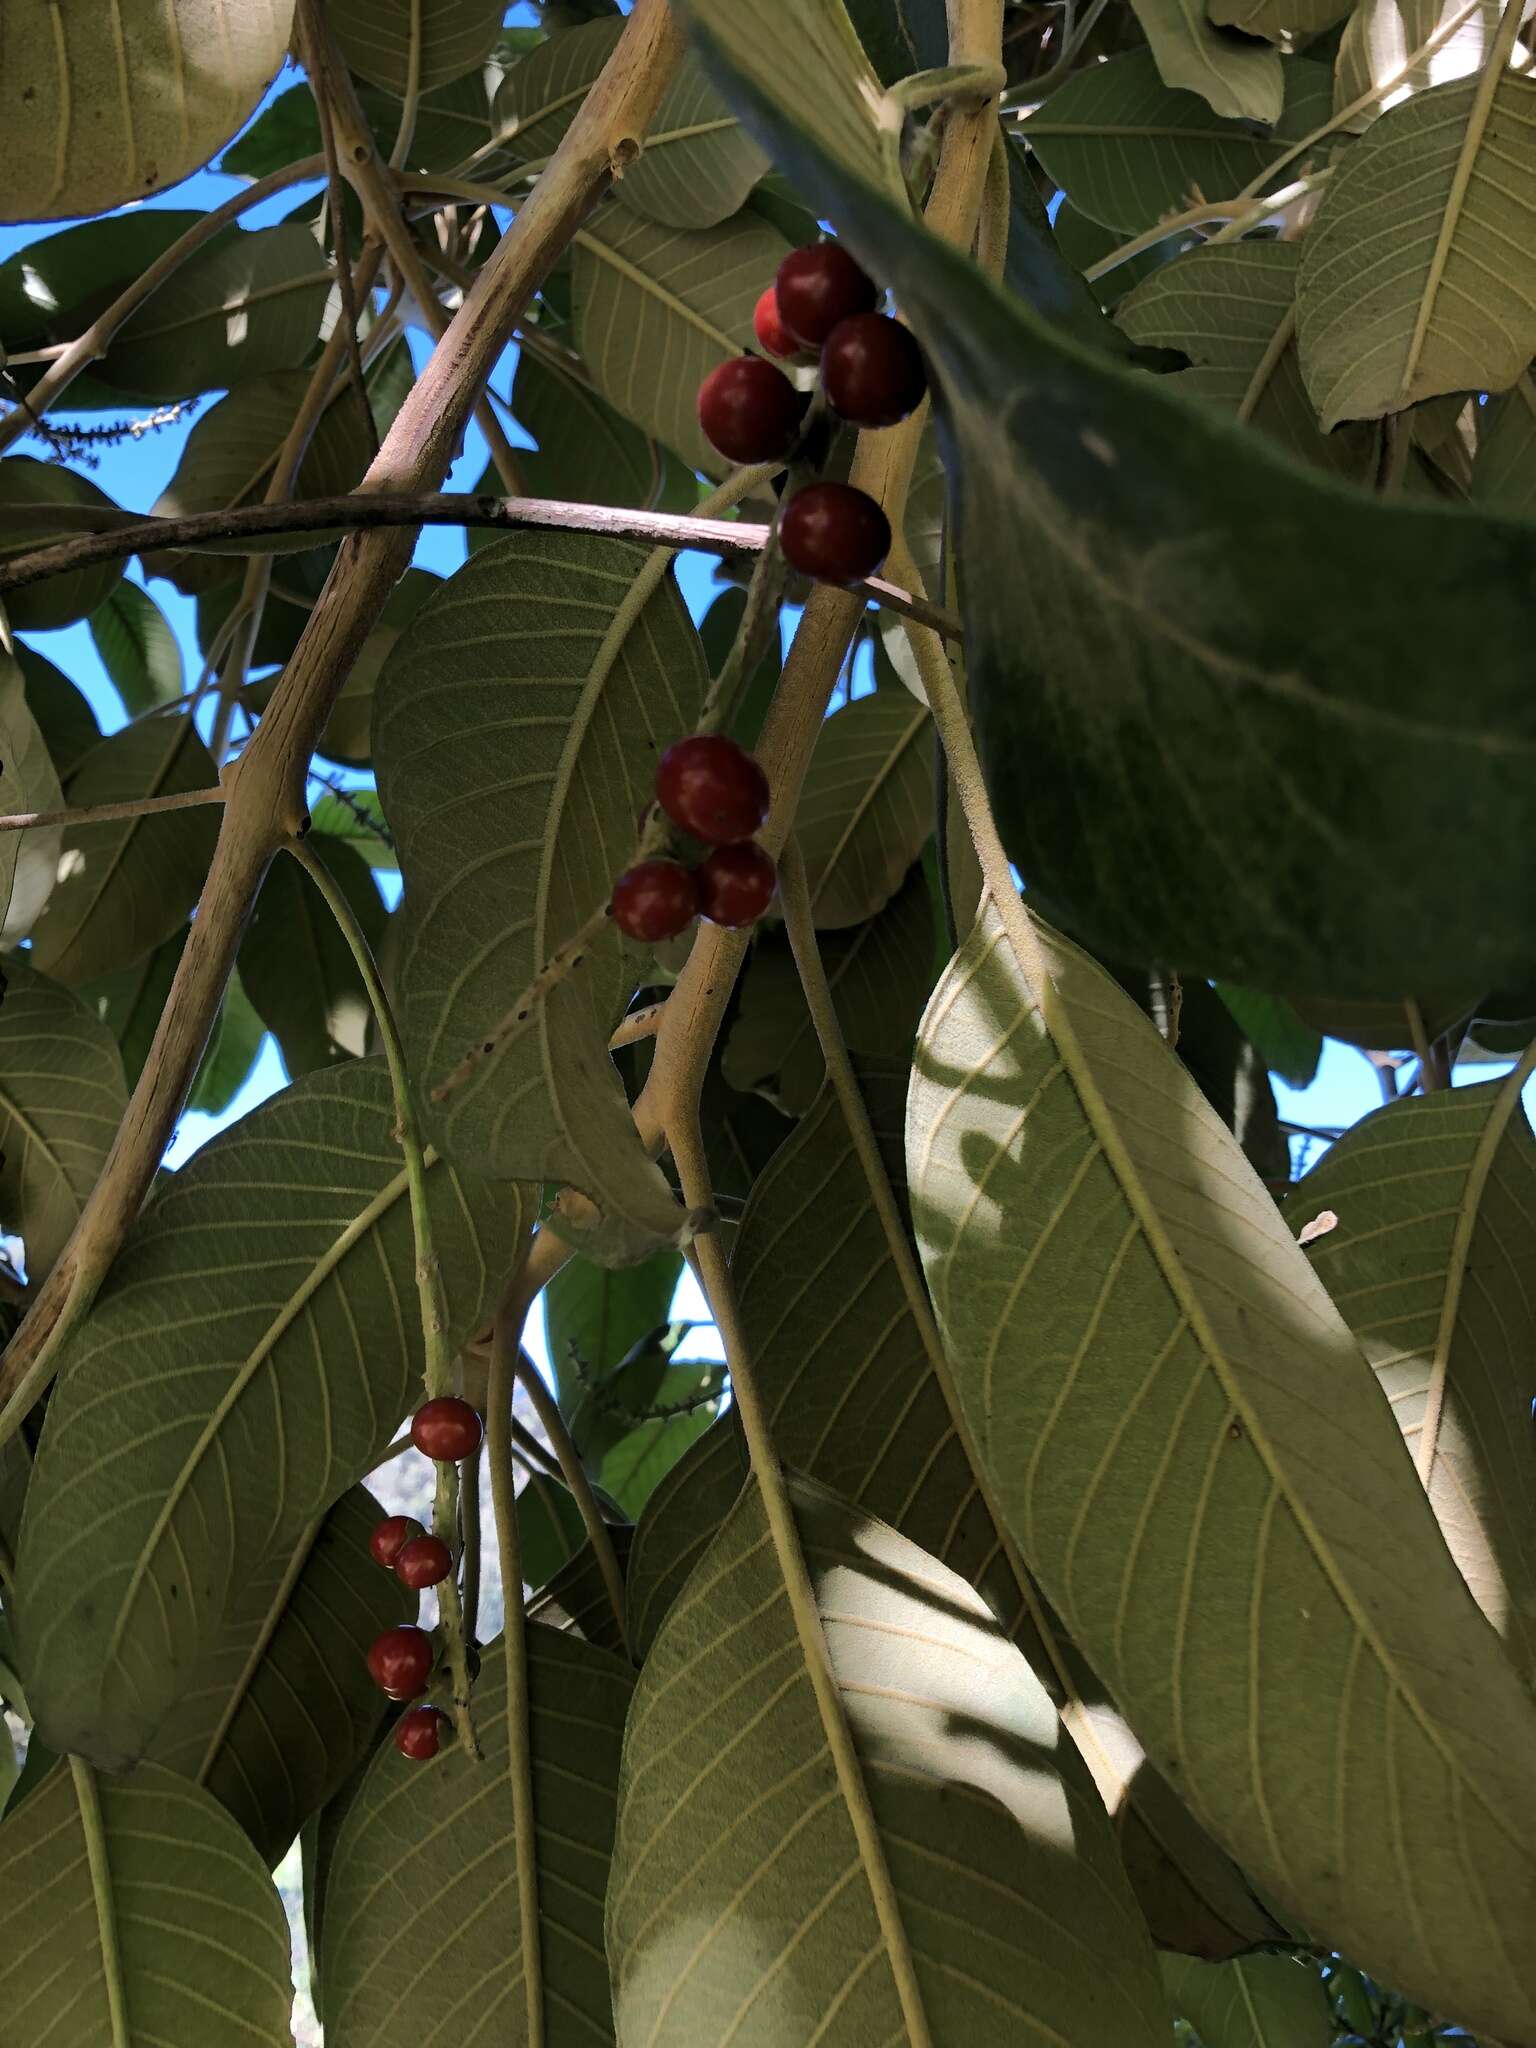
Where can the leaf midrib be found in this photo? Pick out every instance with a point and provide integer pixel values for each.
(871, 795)
(679, 308)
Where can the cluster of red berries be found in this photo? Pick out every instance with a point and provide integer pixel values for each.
(400, 1660)
(872, 375)
(713, 790)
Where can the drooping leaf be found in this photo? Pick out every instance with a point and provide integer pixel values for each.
(1129, 147)
(596, 1316)
(867, 806)
(444, 1833)
(1401, 46)
(61, 1098)
(1419, 274)
(1289, 1045)
(249, 1357)
(126, 884)
(393, 42)
(657, 308)
(29, 861)
(63, 714)
(1252, 2002)
(298, 968)
(677, 1526)
(548, 694)
(587, 451)
(1429, 1260)
(84, 134)
(137, 647)
(963, 1779)
(1235, 78)
(36, 501)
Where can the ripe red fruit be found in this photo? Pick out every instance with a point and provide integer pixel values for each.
(770, 330)
(424, 1561)
(872, 370)
(655, 899)
(817, 287)
(446, 1429)
(736, 884)
(712, 788)
(834, 533)
(419, 1733)
(390, 1536)
(750, 411)
(400, 1660)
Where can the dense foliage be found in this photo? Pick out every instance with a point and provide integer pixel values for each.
(1095, 1596)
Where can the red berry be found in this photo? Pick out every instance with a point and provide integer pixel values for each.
(872, 370)
(424, 1561)
(712, 788)
(817, 287)
(400, 1660)
(655, 899)
(419, 1733)
(750, 411)
(834, 533)
(390, 1536)
(736, 884)
(447, 1429)
(770, 330)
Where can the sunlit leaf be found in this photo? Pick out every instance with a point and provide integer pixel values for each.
(1398, 47)
(1231, 75)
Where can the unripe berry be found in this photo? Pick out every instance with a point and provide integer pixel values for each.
(817, 287)
(400, 1660)
(736, 884)
(770, 330)
(834, 533)
(712, 788)
(424, 1561)
(390, 1536)
(872, 370)
(750, 410)
(419, 1733)
(446, 1429)
(655, 899)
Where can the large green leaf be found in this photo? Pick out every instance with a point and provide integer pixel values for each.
(298, 968)
(63, 714)
(421, 1896)
(390, 42)
(699, 164)
(273, 1720)
(33, 495)
(137, 647)
(126, 884)
(99, 118)
(1254, 2002)
(166, 1928)
(1429, 1259)
(1129, 148)
(1402, 46)
(594, 1316)
(452, 122)
(587, 451)
(990, 1831)
(1142, 696)
(130, 1003)
(1185, 1442)
(658, 308)
(1233, 76)
(679, 1522)
(29, 861)
(516, 725)
(250, 1356)
(867, 806)
(61, 1096)
(1419, 274)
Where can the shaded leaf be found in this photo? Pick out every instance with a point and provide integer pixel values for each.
(130, 1003)
(575, 1597)
(1504, 472)
(867, 805)
(1254, 2002)
(1042, 273)
(298, 968)
(596, 1316)
(36, 500)
(249, 1357)
(1383, 1026)
(137, 647)
(1289, 1046)
(29, 861)
(376, 38)
(698, 164)
(1277, 21)
(587, 451)
(61, 709)
(1232, 76)
(551, 1527)
(452, 121)
(677, 1525)
(901, 36)
(230, 1053)
(1087, 242)
(539, 95)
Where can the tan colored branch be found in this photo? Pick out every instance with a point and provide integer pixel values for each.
(102, 814)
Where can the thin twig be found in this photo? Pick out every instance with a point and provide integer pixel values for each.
(102, 814)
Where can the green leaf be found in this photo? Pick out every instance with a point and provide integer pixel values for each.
(1428, 1257)
(1419, 275)
(61, 1097)
(129, 1003)
(598, 1316)
(1144, 1389)
(389, 42)
(658, 308)
(1087, 242)
(1289, 1047)
(576, 1596)
(963, 1777)
(587, 452)
(1233, 77)
(1232, 311)
(80, 139)
(1278, 21)
(138, 649)
(274, 1718)
(538, 96)
(1402, 46)
(867, 806)
(648, 1450)
(230, 1053)
(901, 36)
(249, 1358)
(546, 691)
(1130, 149)
(36, 501)
(29, 861)
(1504, 471)
(128, 883)
(443, 1834)
(63, 714)
(698, 165)
(1383, 1026)
(356, 817)
(348, 735)
(677, 1525)
(1044, 276)
(451, 123)
(551, 1527)
(1254, 2002)
(298, 968)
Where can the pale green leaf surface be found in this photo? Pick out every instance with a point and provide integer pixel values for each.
(99, 116)
(740, 1906)
(126, 884)
(200, 1932)
(376, 38)
(593, 1315)
(867, 806)
(1430, 1262)
(586, 452)
(1234, 78)
(1252, 2002)
(699, 164)
(516, 725)
(539, 95)
(356, 817)
(29, 861)
(1393, 47)
(298, 968)
(1419, 274)
(62, 1094)
(250, 1356)
(421, 1935)
(137, 647)
(37, 500)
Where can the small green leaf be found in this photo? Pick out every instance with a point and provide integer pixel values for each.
(230, 1053)
(137, 647)
(298, 968)
(597, 1316)
(392, 42)
(867, 806)
(1232, 76)
(1252, 2002)
(356, 817)
(1288, 1046)
(63, 713)
(42, 502)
